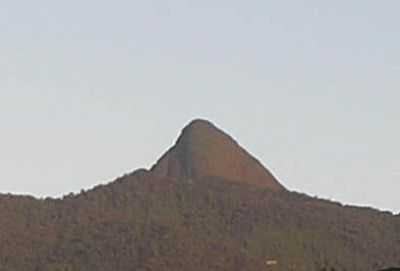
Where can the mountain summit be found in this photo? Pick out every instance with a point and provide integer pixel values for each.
(203, 150)
(189, 213)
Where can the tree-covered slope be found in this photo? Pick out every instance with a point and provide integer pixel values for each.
(143, 222)
(207, 204)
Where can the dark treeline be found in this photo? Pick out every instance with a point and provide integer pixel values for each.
(143, 222)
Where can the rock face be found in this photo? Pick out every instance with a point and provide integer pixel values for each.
(203, 150)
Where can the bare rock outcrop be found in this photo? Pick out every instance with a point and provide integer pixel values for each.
(203, 150)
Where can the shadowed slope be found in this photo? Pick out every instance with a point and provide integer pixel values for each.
(204, 150)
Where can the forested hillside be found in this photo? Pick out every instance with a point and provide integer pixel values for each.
(141, 222)
(188, 214)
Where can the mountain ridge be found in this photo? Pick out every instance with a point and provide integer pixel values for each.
(186, 214)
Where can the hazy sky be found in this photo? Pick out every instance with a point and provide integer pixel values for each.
(90, 90)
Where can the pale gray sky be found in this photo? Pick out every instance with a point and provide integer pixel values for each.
(90, 90)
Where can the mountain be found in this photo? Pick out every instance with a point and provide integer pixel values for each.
(203, 150)
(206, 204)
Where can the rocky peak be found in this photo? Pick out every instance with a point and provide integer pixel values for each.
(204, 150)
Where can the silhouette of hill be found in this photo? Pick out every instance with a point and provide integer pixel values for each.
(205, 205)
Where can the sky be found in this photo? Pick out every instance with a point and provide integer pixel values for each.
(90, 90)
